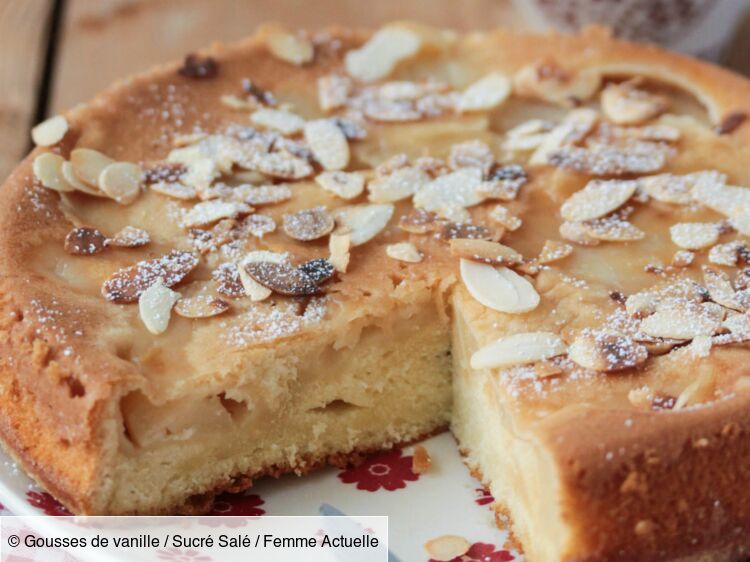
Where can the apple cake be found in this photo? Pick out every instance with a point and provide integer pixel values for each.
(305, 247)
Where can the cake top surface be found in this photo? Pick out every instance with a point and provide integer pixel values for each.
(581, 198)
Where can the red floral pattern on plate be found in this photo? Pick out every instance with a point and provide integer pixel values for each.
(45, 502)
(390, 471)
(483, 552)
(238, 504)
(484, 496)
(179, 555)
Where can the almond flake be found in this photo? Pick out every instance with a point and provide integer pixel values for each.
(720, 289)
(546, 369)
(404, 251)
(201, 306)
(209, 212)
(671, 188)
(576, 126)
(548, 81)
(518, 349)
(155, 306)
(50, 132)
(338, 245)
(258, 225)
(364, 221)
(421, 461)
(282, 278)
(419, 221)
(612, 229)
(553, 251)
(129, 237)
(121, 181)
(498, 288)
(576, 232)
(451, 230)
(126, 285)
(503, 216)
(604, 352)
(485, 251)
(487, 93)
(378, 57)
(328, 144)
(333, 91)
(726, 254)
(290, 47)
(84, 241)
(233, 102)
(701, 346)
(69, 175)
(471, 154)
(682, 321)
(227, 279)
(347, 185)
(47, 168)
(319, 270)
(447, 547)
(399, 184)
(391, 111)
(626, 104)
(88, 164)
(269, 194)
(286, 122)
(251, 287)
(610, 160)
(503, 182)
(597, 198)
(457, 189)
(529, 135)
(308, 224)
(683, 258)
(282, 165)
(174, 190)
(694, 235)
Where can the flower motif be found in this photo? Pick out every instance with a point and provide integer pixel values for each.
(179, 555)
(389, 470)
(483, 552)
(238, 504)
(45, 502)
(484, 496)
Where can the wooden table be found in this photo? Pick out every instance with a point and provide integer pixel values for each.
(57, 53)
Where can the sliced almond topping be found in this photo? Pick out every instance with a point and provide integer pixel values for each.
(175, 190)
(548, 81)
(47, 168)
(404, 251)
(575, 232)
(282, 278)
(201, 306)
(252, 288)
(126, 285)
(364, 221)
(547, 369)
(447, 547)
(285, 122)
(720, 289)
(518, 349)
(334, 91)
(610, 160)
(626, 104)
(701, 346)
(597, 198)
(269, 194)
(683, 258)
(347, 185)
(419, 221)
(155, 306)
(553, 251)
(319, 270)
(290, 47)
(503, 182)
(471, 154)
(726, 254)
(88, 164)
(308, 224)
(601, 351)
(129, 237)
(671, 188)
(576, 126)
(694, 235)
(282, 165)
(338, 245)
(503, 216)
(378, 57)
(258, 225)
(487, 93)
(421, 461)
(84, 241)
(328, 143)
(227, 279)
(70, 177)
(529, 135)
(208, 212)
(612, 229)
(682, 321)
(391, 111)
(233, 102)
(121, 181)
(485, 251)
(50, 132)
(451, 230)
(399, 184)
(457, 189)
(498, 288)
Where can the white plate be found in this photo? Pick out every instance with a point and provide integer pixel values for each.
(444, 500)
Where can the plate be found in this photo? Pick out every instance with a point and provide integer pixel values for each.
(445, 500)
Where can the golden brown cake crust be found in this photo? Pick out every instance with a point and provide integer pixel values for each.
(59, 384)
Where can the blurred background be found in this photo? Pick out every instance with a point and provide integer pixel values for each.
(57, 53)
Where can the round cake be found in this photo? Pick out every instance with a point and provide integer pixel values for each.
(306, 247)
